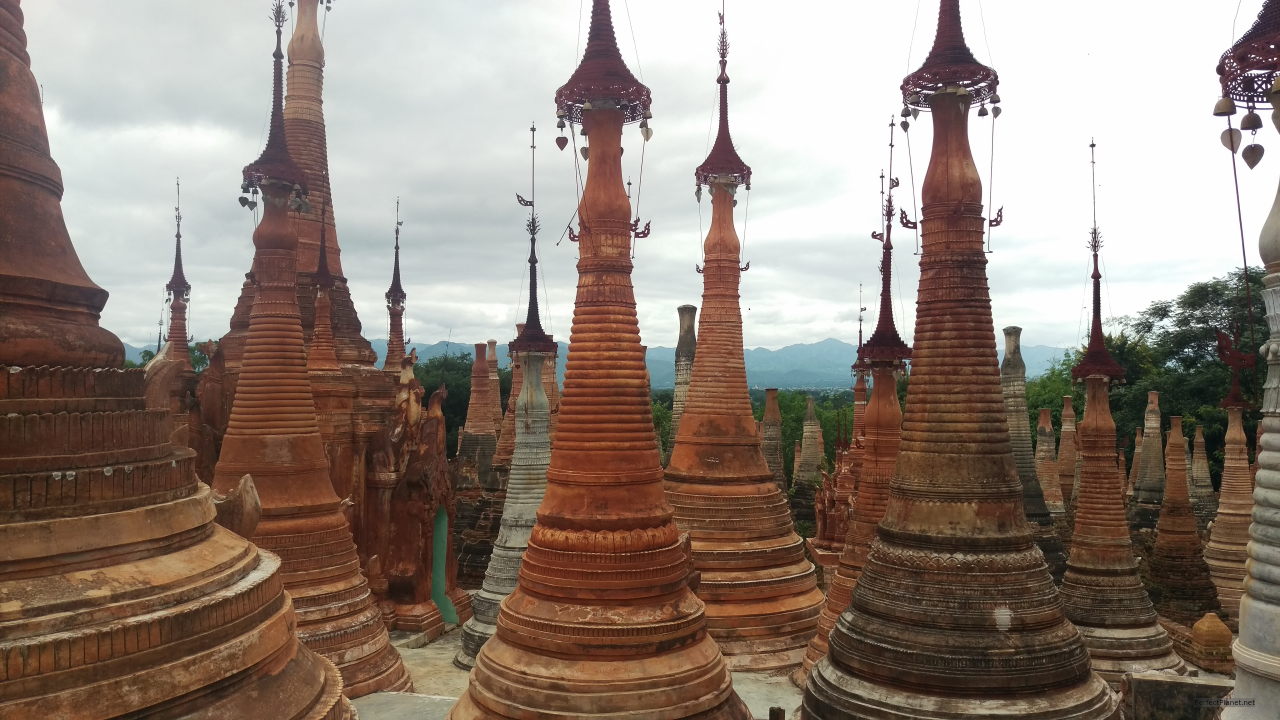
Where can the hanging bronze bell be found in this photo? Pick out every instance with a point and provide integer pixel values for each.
(1251, 121)
(1224, 107)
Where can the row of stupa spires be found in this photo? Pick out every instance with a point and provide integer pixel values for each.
(951, 612)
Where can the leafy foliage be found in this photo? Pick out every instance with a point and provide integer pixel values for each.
(1170, 347)
(454, 370)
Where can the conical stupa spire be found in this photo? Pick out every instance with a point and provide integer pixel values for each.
(760, 590)
(1096, 360)
(606, 573)
(723, 162)
(1013, 382)
(273, 434)
(955, 613)
(275, 162)
(1101, 591)
(177, 284)
(395, 297)
(321, 354)
(532, 338)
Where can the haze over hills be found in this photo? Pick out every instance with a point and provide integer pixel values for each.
(819, 365)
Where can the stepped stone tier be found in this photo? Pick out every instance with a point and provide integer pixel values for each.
(761, 593)
(1148, 488)
(1204, 501)
(808, 462)
(686, 349)
(771, 437)
(529, 416)
(1247, 72)
(1013, 383)
(1227, 551)
(273, 434)
(473, 473)
(955, 613)
(121, 595)
(413, 569)
(1102, 592)
(1177, 575)
(395, 308)
(356, 403)
(603, 621)
(884, 355)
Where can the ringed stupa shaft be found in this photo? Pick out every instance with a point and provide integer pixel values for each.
(1102, 591)
(760, 590)
(955, 613)
(602, 620)
(273, 435)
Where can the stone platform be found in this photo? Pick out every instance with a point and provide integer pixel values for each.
(439, 683)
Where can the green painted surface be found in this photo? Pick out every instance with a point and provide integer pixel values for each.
(439, 552)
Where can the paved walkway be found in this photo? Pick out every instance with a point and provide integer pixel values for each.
(438, 683)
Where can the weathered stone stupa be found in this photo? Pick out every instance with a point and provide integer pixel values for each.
(473, 472)
(1177, 576)
(840, 486)
(807, 466)
(884, 356)
(1204, 501)
(1148, 488)
(527, 478)
(121, 595)
(686, 350)
(761, 593)
(1134, 466)
(771, 437)
(1226, 553)
(1047, 471)
(1068, 460)
(1013, 383)
(1247, 71)
(602, 620)
(1101, 591)
(955, 613)
(273, 435)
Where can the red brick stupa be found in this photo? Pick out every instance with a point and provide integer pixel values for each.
(1227, 550)
(121, 597)
(273, 435)
(955, 613)
(761, 592)
(603, 621)
(1101, 591)
(884, 355)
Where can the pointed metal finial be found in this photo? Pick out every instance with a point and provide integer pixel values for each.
(396, 295)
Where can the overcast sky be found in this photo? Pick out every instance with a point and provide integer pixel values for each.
(431, 101)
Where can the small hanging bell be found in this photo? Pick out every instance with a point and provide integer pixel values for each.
(995, 98)
(995, 111)
(560, 124)
(585, 151)
(1252, 155)
(1251, 122)
(586, 105)
(983, 112)
(644, 123)
(906, 111)
(583, 131)
(562, 142)
(646, 133)
(648, 114)
(904, 125)
(1231, 139)
(1224, 107)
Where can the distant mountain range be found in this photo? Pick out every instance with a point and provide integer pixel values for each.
(818, 365)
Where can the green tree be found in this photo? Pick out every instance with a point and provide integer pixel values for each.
(454, 370)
